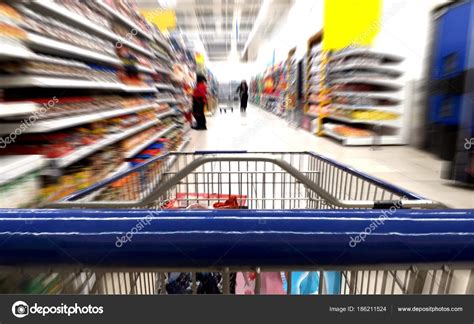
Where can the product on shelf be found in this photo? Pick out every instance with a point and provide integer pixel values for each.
(348, 131)
(139, 138)
(63, 68)
(81, 175)
(50, 27)
(368, 115)
(81, 147)
(87, 10)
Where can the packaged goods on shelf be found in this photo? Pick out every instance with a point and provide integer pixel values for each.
(72, 106)
(126, 9)
(348, 131)
(153, 150)
(69, 69)
(49, 27)
(81, 175)
(135, 140)
(131, 57)
(89, 11)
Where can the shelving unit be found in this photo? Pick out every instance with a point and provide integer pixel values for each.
(124, 19)
(316, 87)
(137, 92)
(55, 47)
(49, 7)
(364, 82)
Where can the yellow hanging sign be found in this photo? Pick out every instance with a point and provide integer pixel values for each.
(163, 19)
(199, 58)
(350, 22)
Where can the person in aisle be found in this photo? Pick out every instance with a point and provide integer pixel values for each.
(243, 91)
(199, 102)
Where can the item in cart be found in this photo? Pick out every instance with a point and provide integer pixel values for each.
(230, 203)
(271, 283)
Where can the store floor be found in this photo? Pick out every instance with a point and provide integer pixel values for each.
(404, 166)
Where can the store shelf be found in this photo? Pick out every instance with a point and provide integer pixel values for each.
(368, 94)
(145, 69)
(367, 53)
(373, 81)
(180, 148)
(166, 114)
(364, 141)
(390, 123)
(49, 7)
(392, 108)
(81, 153)
(15, 166)
(166, 100)
(54, 82)
(117, 15)
(142, 146)
(8, 110)
(163, 43)
(54, 47)
(370, 67)
(162, 70)
(161, 56)
(138, 89)
(14, 51)
(164, 86)
(66, 122)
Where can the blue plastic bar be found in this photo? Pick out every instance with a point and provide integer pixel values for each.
(212, 238)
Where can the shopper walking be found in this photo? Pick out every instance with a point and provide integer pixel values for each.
(199, 102)
(243, 91)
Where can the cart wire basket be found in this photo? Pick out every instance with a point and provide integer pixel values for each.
(298, 218)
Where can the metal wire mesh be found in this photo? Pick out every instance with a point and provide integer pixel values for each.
(258, 184)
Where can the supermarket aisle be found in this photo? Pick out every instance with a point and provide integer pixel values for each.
(261, 131)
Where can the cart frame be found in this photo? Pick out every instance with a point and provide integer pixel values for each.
(422, 248)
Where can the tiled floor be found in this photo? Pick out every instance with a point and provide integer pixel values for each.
(409, 168)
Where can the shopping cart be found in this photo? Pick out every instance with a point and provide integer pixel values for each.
(297, 213)
(227, 96)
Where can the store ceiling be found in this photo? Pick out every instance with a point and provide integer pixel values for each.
(223, 26)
